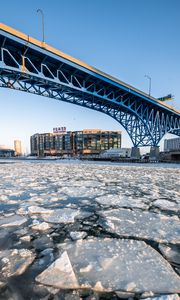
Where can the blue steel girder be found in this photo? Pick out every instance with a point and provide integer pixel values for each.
(29, 68)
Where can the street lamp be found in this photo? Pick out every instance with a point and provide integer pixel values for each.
(147, 76)
(42, 14)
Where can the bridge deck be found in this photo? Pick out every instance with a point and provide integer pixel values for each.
(59, 53)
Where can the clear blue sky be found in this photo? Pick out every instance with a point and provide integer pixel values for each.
(125, 38)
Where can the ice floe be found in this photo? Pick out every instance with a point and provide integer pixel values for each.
(165, 297)
(75, 235)
(15, 262)
(41, 227)
(66, 215)
(168, 205)
(111, 265)
(59, 274)
(121, 201)
(13, 220)
(39, 210)
(141, 225)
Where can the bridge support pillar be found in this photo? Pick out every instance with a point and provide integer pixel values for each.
(154, 153)
(135, 153)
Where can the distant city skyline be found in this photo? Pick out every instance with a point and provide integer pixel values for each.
(127, 39)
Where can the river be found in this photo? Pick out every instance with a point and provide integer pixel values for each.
(85, 230)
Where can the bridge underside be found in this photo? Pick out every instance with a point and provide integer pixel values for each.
(26, 67)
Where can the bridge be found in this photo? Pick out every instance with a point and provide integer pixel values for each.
(29, 65)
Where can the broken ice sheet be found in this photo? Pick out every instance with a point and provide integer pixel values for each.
(39, 210)
(144, 225)
(15, 262)
(111, 265)
(164, 204)
(80, 191)
(14, 220)
(121, 201)
(59, 274)
(41, 227)
(64, 215)
(77, 235)
(165, 297)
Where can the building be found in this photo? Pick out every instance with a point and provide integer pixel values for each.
(116, 153)
(50, 144)
(17, 148)
(171, 150)
(172, 144)
(94, 141)
(6, 152)
(74, 143)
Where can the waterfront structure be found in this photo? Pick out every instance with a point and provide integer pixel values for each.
(114, 153)
(94, 141)
(171, 150)
(172, 144)
(17, 148)
(74, 143)
(29, 65)
(6, 151)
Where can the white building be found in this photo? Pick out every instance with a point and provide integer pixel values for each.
(172, 144)
(5, 151)
(116, 153)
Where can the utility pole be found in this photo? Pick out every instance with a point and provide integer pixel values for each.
(42, 14)
(147, 76)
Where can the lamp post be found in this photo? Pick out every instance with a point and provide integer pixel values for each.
(147, 76)
(42, 14)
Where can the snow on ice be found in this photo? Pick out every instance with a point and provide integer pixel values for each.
(83, 230)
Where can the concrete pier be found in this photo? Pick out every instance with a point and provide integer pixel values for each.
(154, 153)
(135, 153)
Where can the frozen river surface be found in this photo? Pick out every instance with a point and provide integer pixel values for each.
(89, 231)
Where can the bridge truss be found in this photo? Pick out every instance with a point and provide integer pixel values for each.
(28, 66)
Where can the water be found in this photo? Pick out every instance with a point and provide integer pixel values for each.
(73, 216)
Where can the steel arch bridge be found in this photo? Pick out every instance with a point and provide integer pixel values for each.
(29, 65)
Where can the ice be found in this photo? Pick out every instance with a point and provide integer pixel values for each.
(124, 295)
(75, 235)
(21, 231)
(65, 215)
(3, 198)
(127, 265)
(52, 290)
(121, 201)
(165, 204)
(144, 225)
(22, 211)
(14, 220)
(59, 274)
(165, 297)
(39, 210)
(15, 262)
(8, 214)
(26, 238)
(41, 227)
(81, 191)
